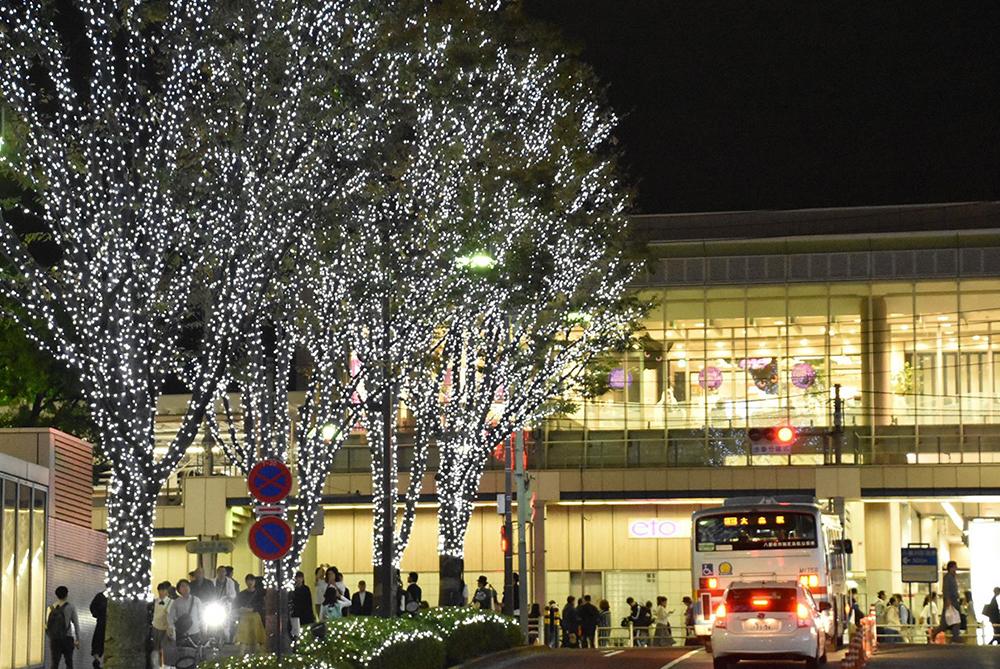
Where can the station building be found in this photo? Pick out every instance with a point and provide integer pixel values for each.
(761, 319)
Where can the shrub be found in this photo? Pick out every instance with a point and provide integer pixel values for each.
(469, 633)
(374, 643)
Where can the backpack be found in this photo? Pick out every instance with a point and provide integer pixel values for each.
(56, 625)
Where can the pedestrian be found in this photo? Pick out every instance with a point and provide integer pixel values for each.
(485, 596)
(992, 612)
(303, 613)
(98, 609)
(856, 613)
(663, 634)
(967, 611)
(553, 624)
(632, 617)
(929, 612)
(879, 613)
(534, 623)
(515, 596)
(161, 609)
(604, 629)
(590, 618)
(62, 625)
(250, 633)
(889, 633)
(690, 639)
(334, 604)
(570, 624)
(950, 616)
(361, 601)
(185, 616)
(643, 621)
(201, 587)
(414, 595)
(320, 587)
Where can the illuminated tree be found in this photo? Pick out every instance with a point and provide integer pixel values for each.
(173, 171)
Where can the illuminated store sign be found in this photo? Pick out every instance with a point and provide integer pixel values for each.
(659, 528)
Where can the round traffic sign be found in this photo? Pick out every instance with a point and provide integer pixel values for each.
(270, 538)
(269, 481)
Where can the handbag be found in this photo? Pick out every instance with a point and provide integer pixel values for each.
(952, 616)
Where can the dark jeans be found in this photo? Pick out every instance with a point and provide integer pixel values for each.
(587, 638)
(62, 648)
(956, 633)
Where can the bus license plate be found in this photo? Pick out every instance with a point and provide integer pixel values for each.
(761, 625)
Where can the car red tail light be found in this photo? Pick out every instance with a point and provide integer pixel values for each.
(720, 616)
(802, 612)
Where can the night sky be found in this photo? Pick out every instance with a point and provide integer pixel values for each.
(744, 104)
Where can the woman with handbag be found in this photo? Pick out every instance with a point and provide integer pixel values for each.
(662, 635)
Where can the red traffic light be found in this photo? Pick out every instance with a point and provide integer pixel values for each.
(785, 434)
(504, 545)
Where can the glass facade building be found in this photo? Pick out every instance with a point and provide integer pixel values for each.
(22, 566)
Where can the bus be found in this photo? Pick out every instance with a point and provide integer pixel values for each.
(773, 538)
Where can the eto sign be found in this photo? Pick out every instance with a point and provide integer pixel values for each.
(658, 528)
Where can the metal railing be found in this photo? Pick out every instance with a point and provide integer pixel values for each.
(975, 633)
(625, 637)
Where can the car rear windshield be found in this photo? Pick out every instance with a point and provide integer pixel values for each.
(769, 600)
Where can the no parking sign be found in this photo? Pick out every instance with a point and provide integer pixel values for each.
(270, 481)
(270, 538)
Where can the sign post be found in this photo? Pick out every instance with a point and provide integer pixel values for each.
(270, 538)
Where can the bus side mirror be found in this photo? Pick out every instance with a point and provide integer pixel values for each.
(825, 606)
(848, 547)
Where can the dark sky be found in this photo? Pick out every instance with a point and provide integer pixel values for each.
(743, 104)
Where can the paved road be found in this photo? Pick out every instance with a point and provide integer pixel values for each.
(676, 657)
(936, 657)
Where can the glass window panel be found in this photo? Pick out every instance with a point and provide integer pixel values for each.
(8, 583)
(37, 652)
(23, 575)
(937, 373)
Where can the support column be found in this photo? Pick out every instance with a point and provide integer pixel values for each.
(538, 555)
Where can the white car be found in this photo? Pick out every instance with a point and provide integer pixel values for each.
(768, 620)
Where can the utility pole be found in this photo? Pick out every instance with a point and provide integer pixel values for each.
(508, 528)
(523, 511)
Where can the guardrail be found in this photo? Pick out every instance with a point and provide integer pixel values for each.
(626, 637)
(974, 633)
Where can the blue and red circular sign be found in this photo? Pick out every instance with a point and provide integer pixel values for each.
(270, 481)
(270, 538)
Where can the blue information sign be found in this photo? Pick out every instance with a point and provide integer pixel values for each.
(919, 565)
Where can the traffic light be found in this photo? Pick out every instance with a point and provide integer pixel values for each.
(504, 544)
(784, 434)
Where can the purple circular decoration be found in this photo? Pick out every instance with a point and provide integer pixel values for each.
(803, 375)
(618, 380)
(710, 378)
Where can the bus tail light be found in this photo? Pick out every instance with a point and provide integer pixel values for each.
(720, 616)
(809, 580)
(711, 583)
(802, 613)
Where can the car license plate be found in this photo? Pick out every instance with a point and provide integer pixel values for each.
(761, 625)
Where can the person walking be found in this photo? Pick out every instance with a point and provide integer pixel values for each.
(643, 622)
(950, 616)
(250, 632)
(663, 634)
(552, 624)
(98, 609)
(361, 601)
(590, 618)
(414, 595)
(992, 612)
(690, 639)
(880, 608)
(604, 629)
(570, 624)
(185, 616)
(62, 626)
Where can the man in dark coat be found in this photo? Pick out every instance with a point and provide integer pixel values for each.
(362, 601)
(993, 613)
(590, 618)
(98, 609)
(570, 624)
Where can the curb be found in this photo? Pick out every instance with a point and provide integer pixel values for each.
(502, 658)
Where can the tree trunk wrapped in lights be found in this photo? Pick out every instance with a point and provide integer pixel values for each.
(170, 179)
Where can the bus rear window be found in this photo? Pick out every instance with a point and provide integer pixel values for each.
(755, 531)
(767, 600)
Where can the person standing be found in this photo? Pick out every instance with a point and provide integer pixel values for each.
(63, 640)
(361, 601)
(992, 612)
(161, 609)
(98, 609)
(950, 616)
(302, 604)
(414, 595)
(485, 596)
(201, 587)
(552, 624)
(534, 623)
(590, 618)
(689, 636)
(880, 613)
(320, 588)
(570, 624)
(250, 632)
(604, 630)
